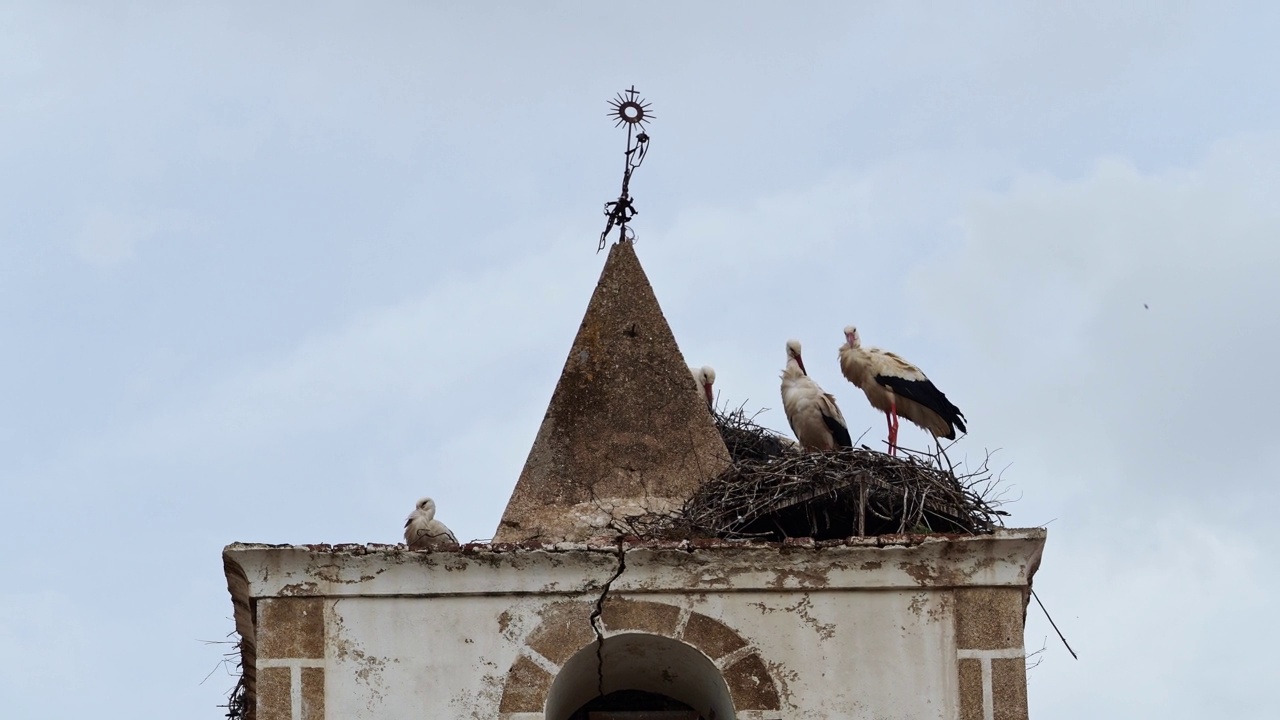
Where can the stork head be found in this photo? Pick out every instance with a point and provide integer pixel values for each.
(793, 353)
(851, 336)
(427, 508)
(704, 377)
(708, 378)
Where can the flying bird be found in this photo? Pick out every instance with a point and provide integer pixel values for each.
(704, 377)
(422, 531)
(812, 413)
(896, 387)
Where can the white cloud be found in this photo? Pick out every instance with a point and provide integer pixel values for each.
(1159, 607)
(1045, 302)
(1143, 431)
(445, 348)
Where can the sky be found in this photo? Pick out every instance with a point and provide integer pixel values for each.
(271, 272)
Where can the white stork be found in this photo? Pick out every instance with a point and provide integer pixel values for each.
(896, 387)
(812, 413)
(422, 531)
(704, 377)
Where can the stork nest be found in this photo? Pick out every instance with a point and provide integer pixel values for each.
(774, 490)
(237, 705)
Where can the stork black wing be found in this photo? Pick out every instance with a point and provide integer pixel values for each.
(838, 431)
(925, 393)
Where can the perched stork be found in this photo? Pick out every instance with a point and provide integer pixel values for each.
(704, 377)
(422, 531)
(896, 387)
(813, 414)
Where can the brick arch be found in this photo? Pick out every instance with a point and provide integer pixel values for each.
(565, 628)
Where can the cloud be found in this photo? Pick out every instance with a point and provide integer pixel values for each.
(1109, 331)
(431, 350)
(1123, 310)
(1167, 600)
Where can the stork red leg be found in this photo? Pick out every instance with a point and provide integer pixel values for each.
(892, 417)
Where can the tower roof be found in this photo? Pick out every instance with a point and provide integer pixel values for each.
(626, 431)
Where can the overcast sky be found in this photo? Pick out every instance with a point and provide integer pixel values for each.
(272, 273)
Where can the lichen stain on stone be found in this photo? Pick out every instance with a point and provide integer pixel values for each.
(781, 675)
(825, 631)
(927, 575)
(816, 578)
(369, 672)
(513, 626)
(918, 603)
(300, 589)
(331, 572)
(941, 608)
(425, 558)
(481, 702)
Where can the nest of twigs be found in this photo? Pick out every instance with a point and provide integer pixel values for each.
(773, 490)
(237, 705)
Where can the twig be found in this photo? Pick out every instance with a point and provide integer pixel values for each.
(1038, 655)
(1055, 625)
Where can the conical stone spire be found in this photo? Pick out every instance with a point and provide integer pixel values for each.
(626, 431)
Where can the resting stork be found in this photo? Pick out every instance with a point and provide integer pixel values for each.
(896, 387)
(813, 414)
(704, 377)
(423, 531)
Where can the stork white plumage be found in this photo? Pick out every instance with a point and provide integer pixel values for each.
(704, 377)
(814, 417)
(896, 387)
(422, 531)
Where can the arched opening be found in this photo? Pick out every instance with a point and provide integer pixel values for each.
(641, 672)
(645, 704)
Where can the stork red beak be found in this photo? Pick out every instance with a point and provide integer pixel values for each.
(801, 364)
(710, 398)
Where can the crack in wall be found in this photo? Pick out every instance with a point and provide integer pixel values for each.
(597, 625)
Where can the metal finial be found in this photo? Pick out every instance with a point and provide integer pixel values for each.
(629, 109)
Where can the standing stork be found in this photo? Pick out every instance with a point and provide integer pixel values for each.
(896, 387)
(812, 413)
(704, 377)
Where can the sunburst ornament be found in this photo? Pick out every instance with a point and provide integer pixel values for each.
(631, 109)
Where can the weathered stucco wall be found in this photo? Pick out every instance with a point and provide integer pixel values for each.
(880, 628)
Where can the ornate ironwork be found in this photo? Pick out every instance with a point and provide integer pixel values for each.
(629, 109)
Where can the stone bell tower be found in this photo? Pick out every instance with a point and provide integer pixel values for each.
(563, 618)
